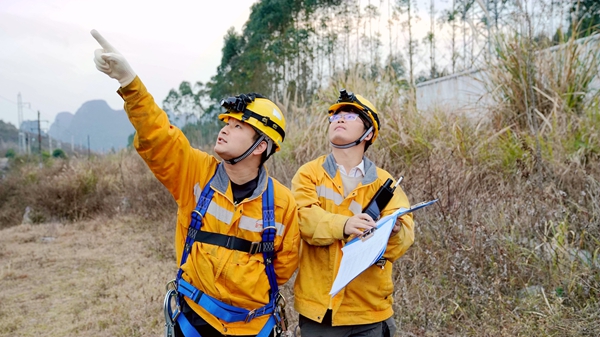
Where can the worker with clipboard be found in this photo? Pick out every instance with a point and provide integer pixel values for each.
(332, 191)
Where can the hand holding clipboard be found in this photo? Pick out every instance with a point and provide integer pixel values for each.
(369, 232)
(366, 249)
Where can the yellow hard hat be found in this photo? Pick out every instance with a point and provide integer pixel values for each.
(366, 108)
(258, 111)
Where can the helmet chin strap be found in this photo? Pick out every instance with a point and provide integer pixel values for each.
(354, 143)
(247, 153)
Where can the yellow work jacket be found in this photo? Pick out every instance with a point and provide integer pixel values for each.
(323, 211)
(234, 277)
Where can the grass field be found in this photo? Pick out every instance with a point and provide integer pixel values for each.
(511, 249)
(100, 277)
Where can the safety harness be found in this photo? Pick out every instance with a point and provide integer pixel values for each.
(178, 288)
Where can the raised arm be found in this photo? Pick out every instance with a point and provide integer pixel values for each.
(164, 148)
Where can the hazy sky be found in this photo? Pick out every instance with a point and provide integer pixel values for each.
(46, 50)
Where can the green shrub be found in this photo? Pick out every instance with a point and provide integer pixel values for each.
(59, 153)
(10, 153)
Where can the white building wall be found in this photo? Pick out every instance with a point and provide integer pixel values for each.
(464, 92)
(467, 92)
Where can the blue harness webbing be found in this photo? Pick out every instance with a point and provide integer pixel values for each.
(215, 307)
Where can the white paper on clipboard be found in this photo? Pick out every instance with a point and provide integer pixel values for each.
(358, 255)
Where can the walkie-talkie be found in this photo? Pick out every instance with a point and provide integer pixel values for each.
(381, 199)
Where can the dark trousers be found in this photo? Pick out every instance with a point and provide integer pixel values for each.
(310, 328)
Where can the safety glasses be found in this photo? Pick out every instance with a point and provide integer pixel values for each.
(348, 117)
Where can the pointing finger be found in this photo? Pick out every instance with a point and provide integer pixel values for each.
(102, 41)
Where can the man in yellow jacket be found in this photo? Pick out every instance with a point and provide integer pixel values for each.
(227, 281)
(331, 192)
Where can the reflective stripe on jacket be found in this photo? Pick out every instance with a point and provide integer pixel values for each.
(234, 277)
(323, 211)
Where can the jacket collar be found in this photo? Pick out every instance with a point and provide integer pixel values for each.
(220, 182)
(331, 168)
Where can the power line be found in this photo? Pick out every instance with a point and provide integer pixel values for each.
(15, 103)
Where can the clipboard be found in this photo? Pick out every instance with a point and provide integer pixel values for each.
(368, 233)
(361, 253)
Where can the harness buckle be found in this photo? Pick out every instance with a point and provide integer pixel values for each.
(171, 285)
(230, 241)
(250, 315)
(255, 248)
(196, 215)
(269, 227)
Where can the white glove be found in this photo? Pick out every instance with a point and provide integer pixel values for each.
(109, 61)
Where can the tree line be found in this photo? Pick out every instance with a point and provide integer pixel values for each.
(290, 48)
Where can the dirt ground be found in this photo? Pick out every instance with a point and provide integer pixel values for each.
(102, 277)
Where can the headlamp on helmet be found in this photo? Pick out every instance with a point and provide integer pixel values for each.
(239, 103)
(259, 112)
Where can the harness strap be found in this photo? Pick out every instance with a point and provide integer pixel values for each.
(233, 242)
(219, 309)
(268, 237)
(215, 307)
(186, 327)
(268, 328)
(197, 215)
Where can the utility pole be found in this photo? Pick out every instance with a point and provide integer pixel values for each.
(22, 136)
(39, 133)
(27, 143)
(88, 146)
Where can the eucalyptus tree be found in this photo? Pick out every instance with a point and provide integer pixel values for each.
(224, 83)
(409, 7)
(465, 7)
(371, 42)
(187, 99)
(430, 39)
(450, 17)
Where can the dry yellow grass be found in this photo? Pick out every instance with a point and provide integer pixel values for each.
(101, 277)
(511, 248)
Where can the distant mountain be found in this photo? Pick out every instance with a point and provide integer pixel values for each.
(107, 128)
(61, 124)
